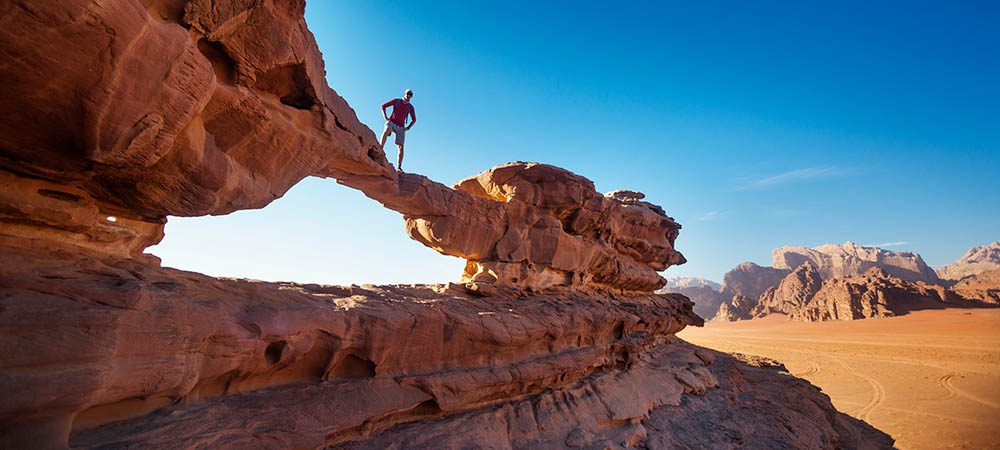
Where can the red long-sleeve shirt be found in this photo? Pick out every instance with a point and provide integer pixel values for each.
(400, 109)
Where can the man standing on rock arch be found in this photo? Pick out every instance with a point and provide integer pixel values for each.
(401, 107)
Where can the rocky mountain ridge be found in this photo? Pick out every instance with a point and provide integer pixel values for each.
(817, 288)
(976, 260)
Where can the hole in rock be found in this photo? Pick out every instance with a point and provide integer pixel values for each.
(353, 367)
(319, 232)
(619, 331)
(273, 352)
(222, 64)
(292, 86)
(374, 154)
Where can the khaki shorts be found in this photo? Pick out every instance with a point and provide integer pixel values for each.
(400, 131)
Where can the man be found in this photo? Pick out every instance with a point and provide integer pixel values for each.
(401, 107)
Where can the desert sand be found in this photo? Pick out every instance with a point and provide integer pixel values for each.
(931, 379)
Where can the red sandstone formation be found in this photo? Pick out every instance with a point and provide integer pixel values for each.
(977, 260)
(873, 294)
(794, 292)
(533, 226)
(739, 308)
(118, 113)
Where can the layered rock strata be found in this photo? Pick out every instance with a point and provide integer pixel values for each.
(533, 226)
(119, 352)
(976, 260)
(119, 113)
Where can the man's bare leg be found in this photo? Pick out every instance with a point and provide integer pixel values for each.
(385, 135)
(399, 162)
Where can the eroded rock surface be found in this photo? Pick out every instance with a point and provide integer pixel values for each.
(232, 112)
(873, 294)
(116, 114)
(739, 308)
(241, 363)
(977, 260)
(794, 292)
(534, 226)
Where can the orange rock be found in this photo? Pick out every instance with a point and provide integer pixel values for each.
(119, 113)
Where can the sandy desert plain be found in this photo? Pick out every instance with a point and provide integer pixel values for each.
(931, 378)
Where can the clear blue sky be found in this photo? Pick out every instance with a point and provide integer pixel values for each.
(755, 125)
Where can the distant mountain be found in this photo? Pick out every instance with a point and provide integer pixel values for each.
(875, 293)
(686, 282)
(750, 280)
(976, 260)
(983, 286)
(706, 300)
(851, 281)
(792, 295)
(849, 259)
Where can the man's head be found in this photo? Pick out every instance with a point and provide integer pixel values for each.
(407, 95)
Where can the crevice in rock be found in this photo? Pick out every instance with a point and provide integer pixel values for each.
(291, 84)
(59, 195)
(425, 410)
(351, 366)
(339, 125)
(222, 64)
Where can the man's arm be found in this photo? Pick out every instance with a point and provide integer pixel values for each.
(386, 105)
(413, 115)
